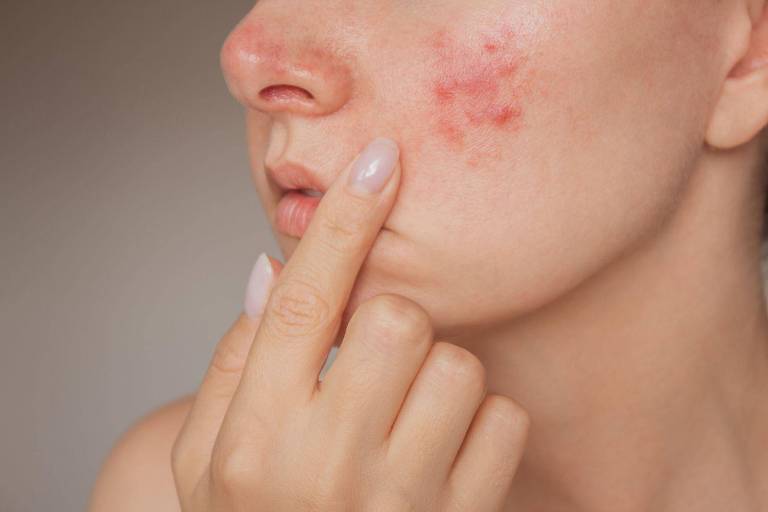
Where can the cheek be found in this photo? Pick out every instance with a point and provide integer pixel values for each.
(476, 91)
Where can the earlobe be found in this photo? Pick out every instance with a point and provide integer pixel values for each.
(742, 109)
(741, 112)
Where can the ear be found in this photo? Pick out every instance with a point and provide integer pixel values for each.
(742, 110)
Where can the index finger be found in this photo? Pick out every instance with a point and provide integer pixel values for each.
(304, 311)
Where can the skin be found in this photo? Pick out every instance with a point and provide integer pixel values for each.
(509, 134)
(579, 208)
(264, 434)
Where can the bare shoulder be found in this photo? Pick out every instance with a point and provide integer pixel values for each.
(136, 475)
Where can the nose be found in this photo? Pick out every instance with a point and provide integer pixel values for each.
(276, 68)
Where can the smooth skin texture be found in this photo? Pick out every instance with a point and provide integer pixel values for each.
(599, 252)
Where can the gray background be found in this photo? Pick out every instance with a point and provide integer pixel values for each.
(128, 226)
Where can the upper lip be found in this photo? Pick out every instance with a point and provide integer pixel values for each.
(291, 176)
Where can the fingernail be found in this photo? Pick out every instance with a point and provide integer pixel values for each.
(373, 167)
(258, 286)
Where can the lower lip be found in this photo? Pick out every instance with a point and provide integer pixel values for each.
(294, 213)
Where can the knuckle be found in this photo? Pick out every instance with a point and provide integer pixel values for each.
(457, 363)
(296, 308)
(506, 413)
(233, 469)
(395, 317)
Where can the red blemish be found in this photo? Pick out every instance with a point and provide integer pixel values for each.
(477, 85)
(440, 40)
(443, 92)
(506, 114)
(451, 133)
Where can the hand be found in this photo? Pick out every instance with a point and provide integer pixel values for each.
(398, 423)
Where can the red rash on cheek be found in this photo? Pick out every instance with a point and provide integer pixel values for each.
(476, 88)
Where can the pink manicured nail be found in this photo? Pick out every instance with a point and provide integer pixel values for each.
(258, 286)
(372, 169)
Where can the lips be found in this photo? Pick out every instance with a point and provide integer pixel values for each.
(294, 212)
(302, 192)
(290, 176)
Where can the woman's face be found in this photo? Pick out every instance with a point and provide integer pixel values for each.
(539, 138)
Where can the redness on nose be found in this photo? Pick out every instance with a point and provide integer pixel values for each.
(476, 85)
(248, 44)
(252, 49)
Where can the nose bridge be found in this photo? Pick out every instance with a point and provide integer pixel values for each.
(277, 63)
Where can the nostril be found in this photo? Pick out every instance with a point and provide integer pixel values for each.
(282, 93)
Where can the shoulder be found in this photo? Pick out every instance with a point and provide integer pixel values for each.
(136, 474)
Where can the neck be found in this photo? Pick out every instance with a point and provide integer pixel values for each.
(646, 384)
